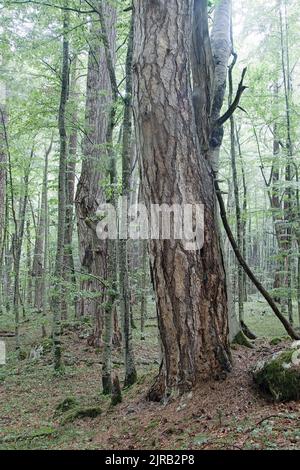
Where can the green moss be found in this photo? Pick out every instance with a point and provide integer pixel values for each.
(279, 377)
(22, 355)
(66, 405)
(241, 339)
(275, 341)
(79, 413)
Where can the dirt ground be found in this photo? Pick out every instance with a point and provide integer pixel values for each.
(228, 414)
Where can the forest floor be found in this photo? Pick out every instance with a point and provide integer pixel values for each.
(229, 414)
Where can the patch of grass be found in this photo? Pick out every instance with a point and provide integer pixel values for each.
(66, 404)
(262, 321)
(79, 413)
(36, 433)
(152, 425)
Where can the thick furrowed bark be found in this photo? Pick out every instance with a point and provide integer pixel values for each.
(190, 285)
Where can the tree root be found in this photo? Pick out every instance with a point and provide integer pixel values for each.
(247, 332)
(242, 340)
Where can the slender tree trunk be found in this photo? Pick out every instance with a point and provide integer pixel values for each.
(190, 285)
(3, 163)
(244, 215)
(63, 152)
(37, 267)
(221, 45)
(8, 254)
(112, 264)
(236, 195)
(3, 258)
(44, 286)
(69, 270)
(18, 241)
(28, 299)
(297, 233)
(144, 289)
(113, 246)
(288, 201)
(277, 213)
(39, 249)
(130, 370)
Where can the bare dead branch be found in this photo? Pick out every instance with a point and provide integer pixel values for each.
(289, 329)
(235, 103)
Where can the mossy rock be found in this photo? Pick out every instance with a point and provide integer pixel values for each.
(279, 376)
(67, 404)
(79, 413)
(275, 341)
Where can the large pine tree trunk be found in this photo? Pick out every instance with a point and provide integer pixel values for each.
(190, 285)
